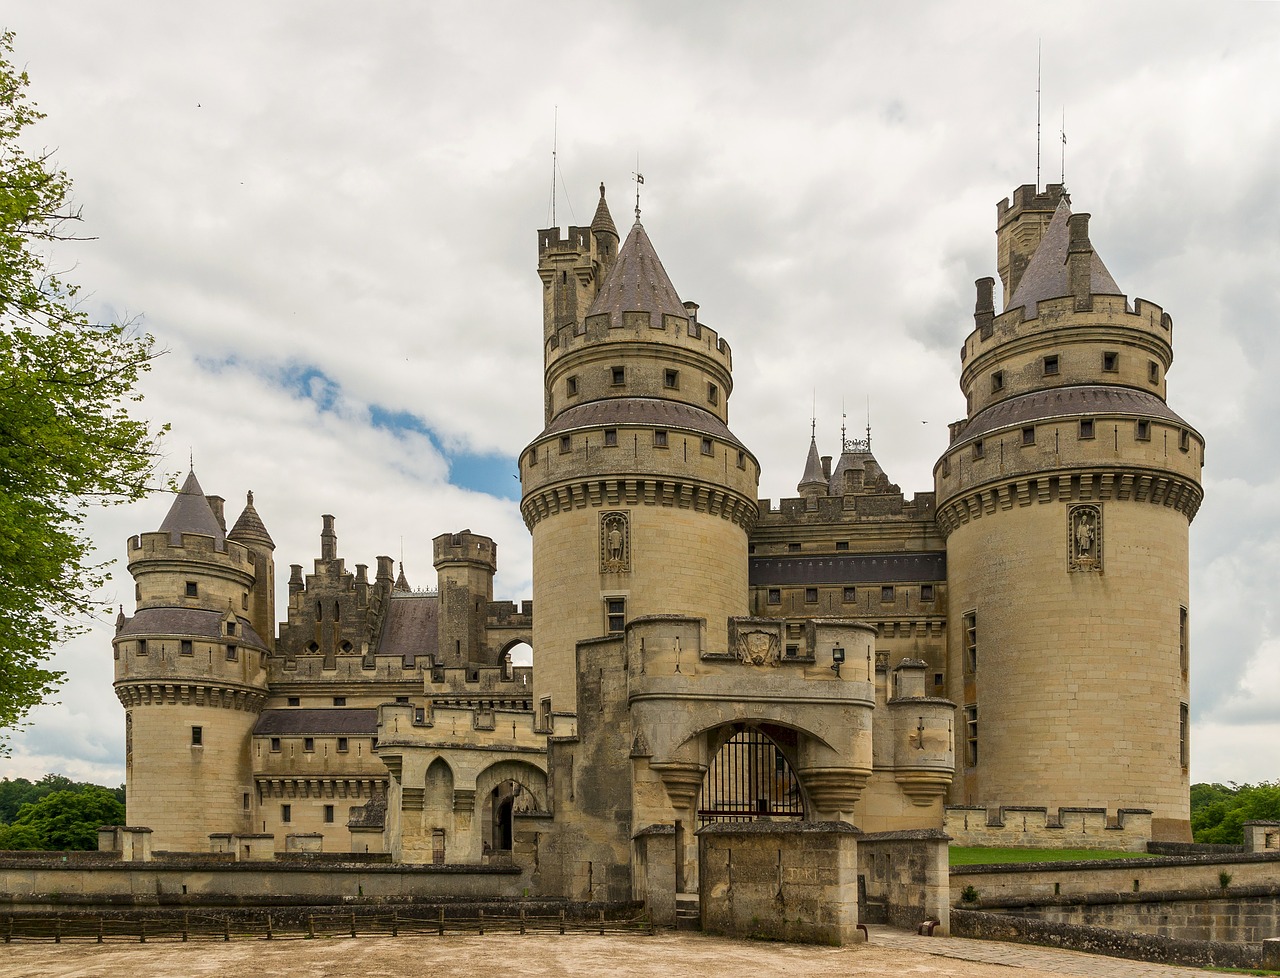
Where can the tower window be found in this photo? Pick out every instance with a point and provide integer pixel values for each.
(1110, 361)
(1184, 440)
(775, 595)
(286, 813)
(571, 386)
(977, 449)
(294, 701)
(611, 437)
(1086, 428)
(997, 381)
(566, 444)
(618, 376)
(192, 590)
(185, 647)
(1153, 371)
(926, 592)
(615, 614)
(233, 653)
(706, 446)
(671, 379)
(339, 701)
(142, 646)
(1029, 435)
(1142, 431)
(342, 745)
(850, 594)
(1184, 742)
(886, 593)
(713, 394)
(308, 744)
(231, 628)
(842, 544)
(793, 651)
(275, 745)
(742, 460)
(793, 548)
(1051, 365)
(811, 595)
(402, 700)
(328, 814)
(245, 801)
(937, 679)
(660, 439)
(970, 639)
(971, 735)
(197, 736)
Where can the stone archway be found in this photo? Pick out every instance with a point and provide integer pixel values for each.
(750, 777)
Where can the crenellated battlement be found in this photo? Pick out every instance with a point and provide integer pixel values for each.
(796, 510)
(632, 327)
(465, 547)
(577, 239)
(158, 545)
(1031, 827)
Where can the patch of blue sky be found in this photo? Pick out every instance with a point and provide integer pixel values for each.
(494, 475)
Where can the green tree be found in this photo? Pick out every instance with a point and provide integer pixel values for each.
(69, 819)
(1218, 812)
(67, 440)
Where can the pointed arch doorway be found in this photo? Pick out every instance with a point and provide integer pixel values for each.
(750, 778)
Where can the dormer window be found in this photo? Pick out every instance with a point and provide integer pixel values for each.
(231, 628)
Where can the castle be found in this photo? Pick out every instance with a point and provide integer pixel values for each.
(1016, 637)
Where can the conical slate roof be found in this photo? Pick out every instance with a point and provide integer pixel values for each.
(603, 221)
(190, 513)
(402, 582)
(637, 283)
(249, 527)
(1046, 274)
(812, 468)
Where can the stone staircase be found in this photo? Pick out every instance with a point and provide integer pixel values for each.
(688, 912)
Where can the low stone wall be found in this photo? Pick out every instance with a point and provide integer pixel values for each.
(786, 881)
(1240, 918)
(1099, 940)
(86, 880)
(1037, 828)
(906, 873)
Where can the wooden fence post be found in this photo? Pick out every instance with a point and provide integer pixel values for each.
(186, 925)
(353, 924)
(395, 924)
(482, 923)
(561, 920)
(311, 926)
(601, 921)
(268, 926)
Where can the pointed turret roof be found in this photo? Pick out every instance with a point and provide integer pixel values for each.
(637, 282)
(603, 221)
(191, 513)
(402, 583)
(1046, 274)
(812, 468)
(249, 527)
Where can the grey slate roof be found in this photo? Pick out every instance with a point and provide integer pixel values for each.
(649, 411)
(637, 283)
(190, 513)
(812, 467)
(188, 623)
(1068, 402)
(1046, 273)
(356, 723)
(603, 220)
(926, 566)
(410, 629)
(249, 527)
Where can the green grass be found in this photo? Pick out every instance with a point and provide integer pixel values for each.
(982, 855)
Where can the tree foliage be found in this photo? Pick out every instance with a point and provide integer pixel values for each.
(1218, 812)
(16, 792)
(64, 820)
(67, 439)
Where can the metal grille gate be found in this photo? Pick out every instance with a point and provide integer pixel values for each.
(749, 778)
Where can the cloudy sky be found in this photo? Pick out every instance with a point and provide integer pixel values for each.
(326, 214)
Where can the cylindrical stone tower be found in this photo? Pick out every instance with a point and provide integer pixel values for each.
(1066, 497)
(638, 495)
(191, 674)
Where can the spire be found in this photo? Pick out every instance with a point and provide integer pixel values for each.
(249, 527)
(1047, 274)
(603, 221)
(813, 479)
(637, 283)
(402, 583)
(191, 513)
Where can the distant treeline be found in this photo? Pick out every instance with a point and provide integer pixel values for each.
(1218, 811)
(56, 812)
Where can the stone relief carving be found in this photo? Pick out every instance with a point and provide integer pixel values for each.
(1084, 538)
(758, 648)
(615, 543)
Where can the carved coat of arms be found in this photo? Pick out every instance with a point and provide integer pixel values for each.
(758, 648)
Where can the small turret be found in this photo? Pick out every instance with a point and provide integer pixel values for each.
(465, 563)
(252, 532)
(402, 582)
(813, 484)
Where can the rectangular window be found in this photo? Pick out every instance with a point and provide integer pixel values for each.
(294, 701)
(926, 592)
(328, 814)
(231, 628)
(245, 801)
(842, 544)
(308, 744)
(659, 439)
(1142, 431)
(793, 651)
(978, 449)
(197, 736)
(713, 394)
(286, 813)
(615, 614)
(192, 589)
(1029, 435)
(1184, 653)
(275, 745)
(1184, 735)
(850, 594)
(1086, 428)
(1110, 361)
(1051, 365)
(1153, 371)
(793, 548)
(339, 701)
(997, 381)
(793, 629)
(971, 736)
(571, 386)
(233, 653)
(566, 444)
(617, 376)
(811, 595)
(611, 437)
(886, 593)
(244, 601)
(742, 460)
(937, 679)
(706, 446)
(342, 745)
(1184, 440)
(775, 595)
(142, 646)
(671, 379)
(970, 639)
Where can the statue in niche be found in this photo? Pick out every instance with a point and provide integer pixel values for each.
(758, 648)
(1084, 544)
(615, 543)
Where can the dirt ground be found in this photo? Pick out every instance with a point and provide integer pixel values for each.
(614, 956)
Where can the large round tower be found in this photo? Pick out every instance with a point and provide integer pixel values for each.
(191, 670)
(638, 495)
(1066, 496)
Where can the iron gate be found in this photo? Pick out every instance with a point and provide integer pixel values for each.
(749, 778)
